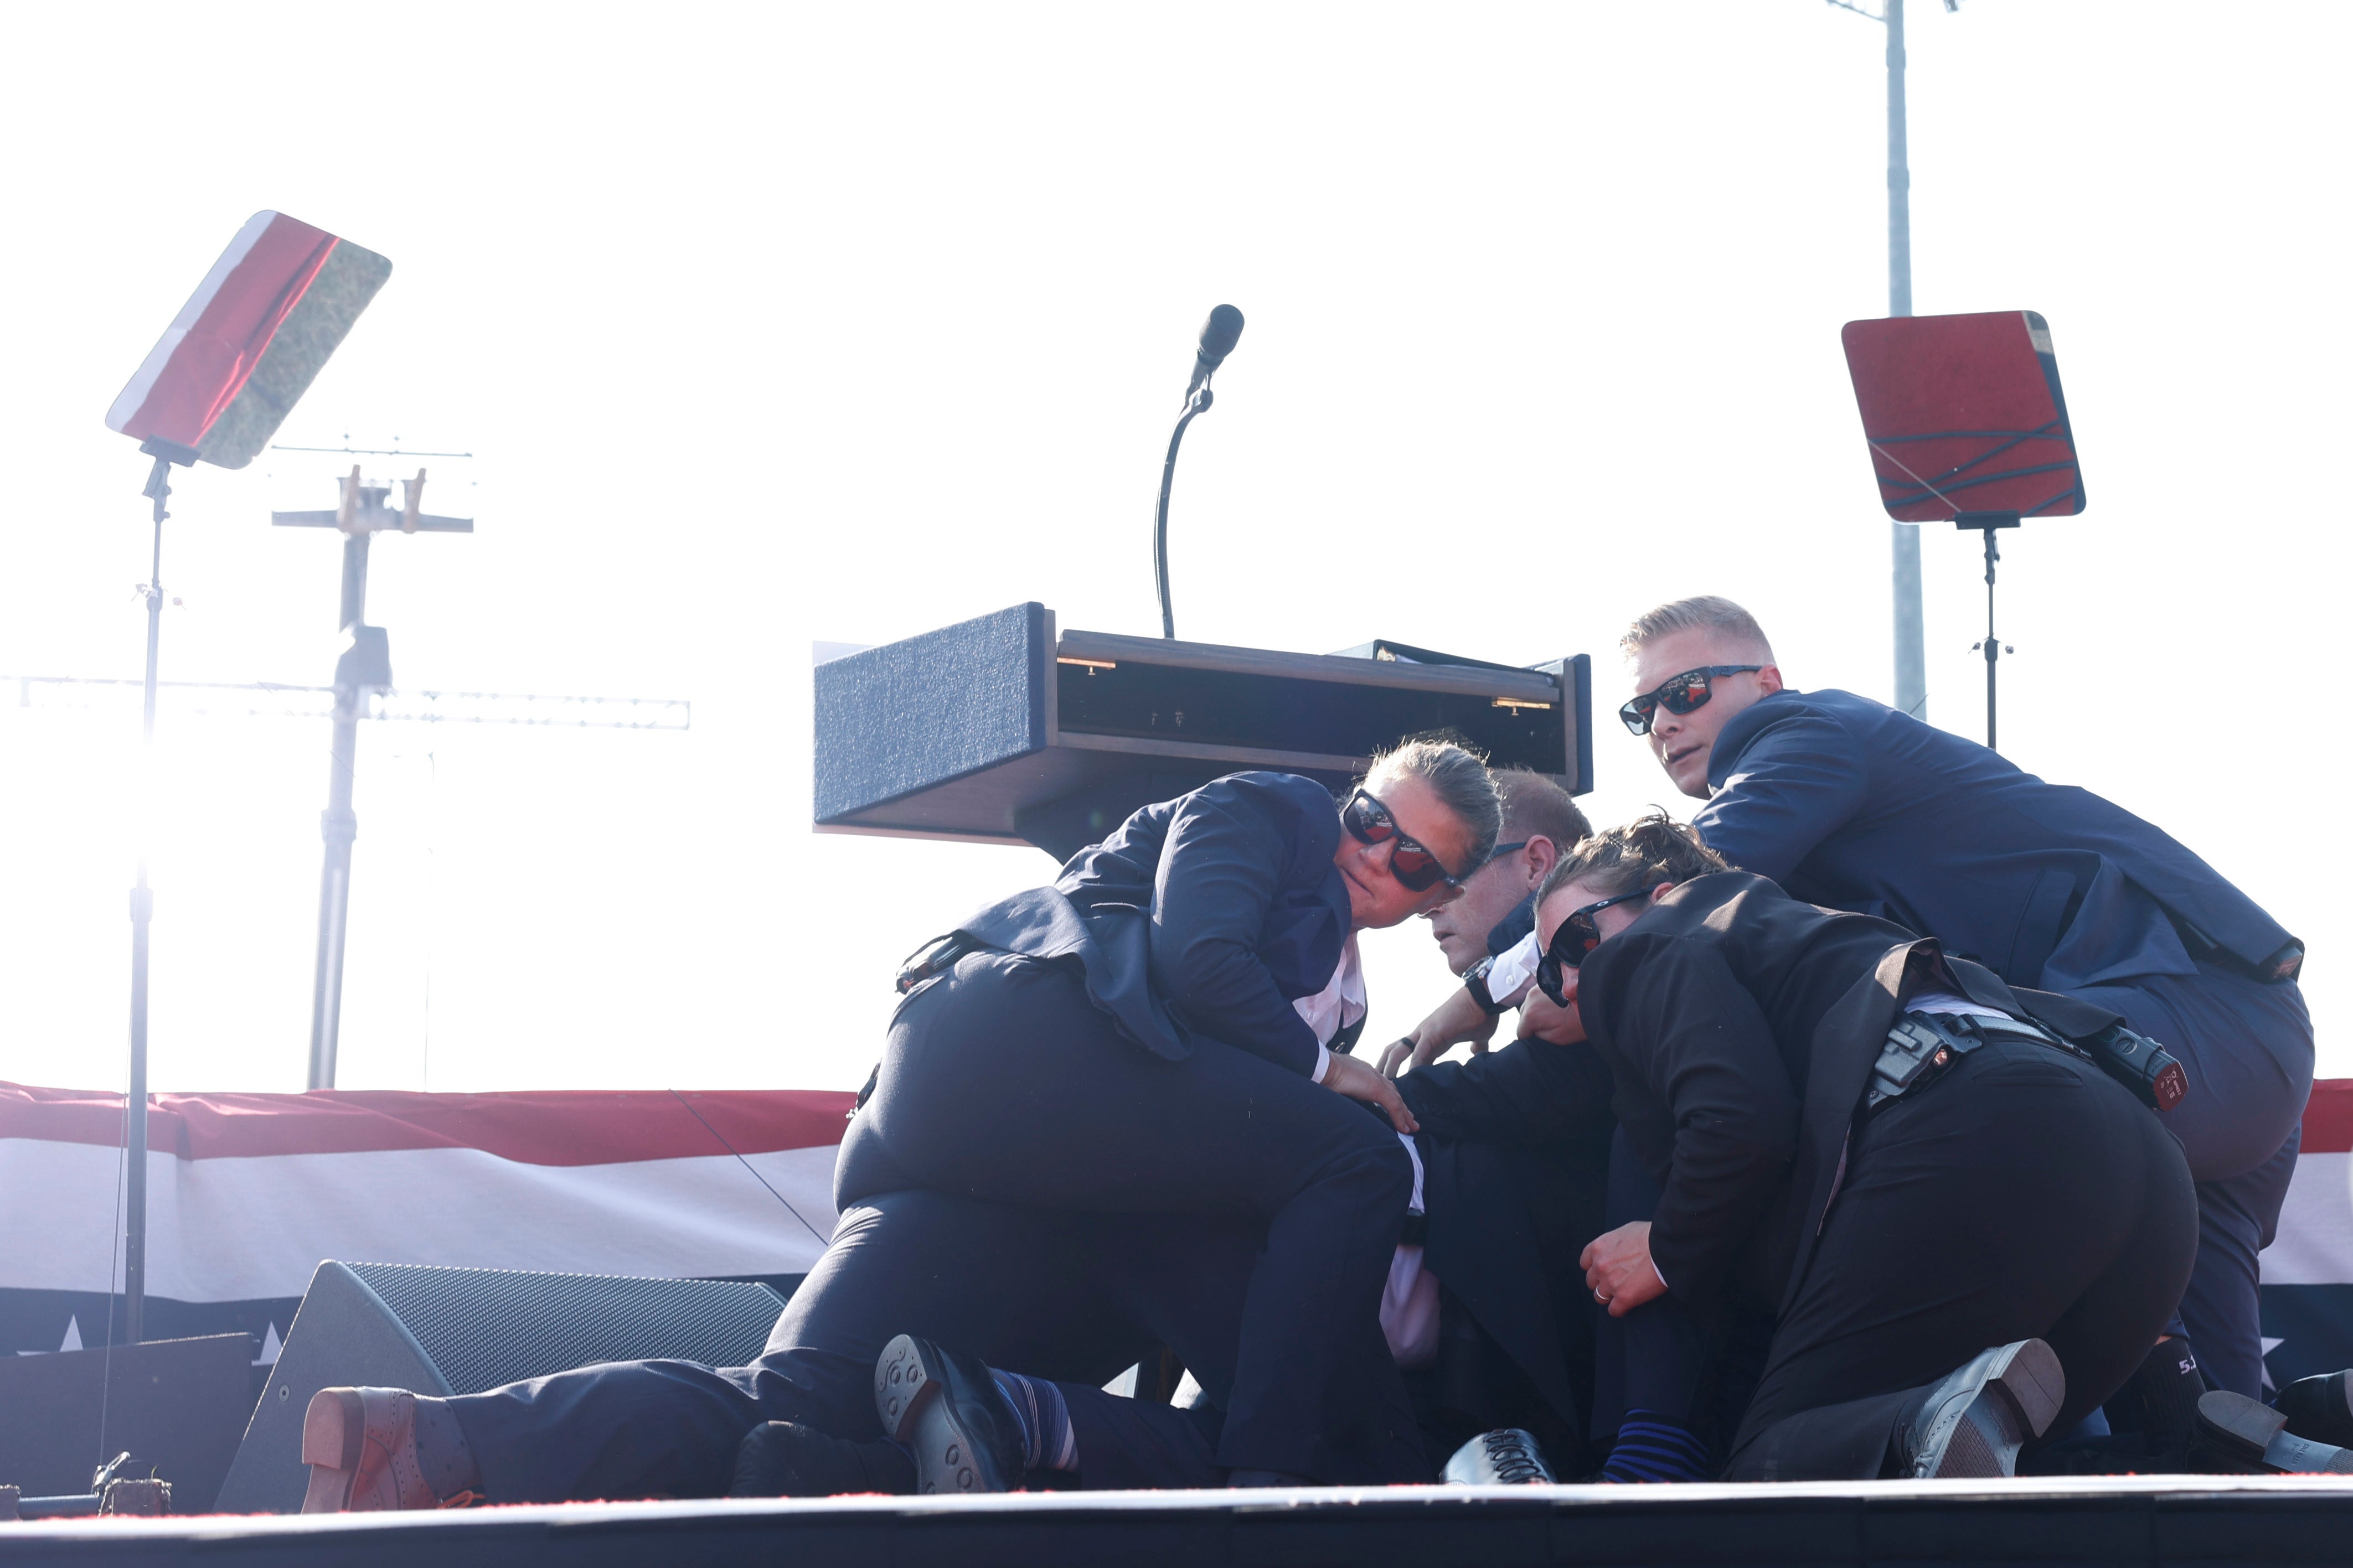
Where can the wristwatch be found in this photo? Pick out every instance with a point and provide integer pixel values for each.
(1475, 982)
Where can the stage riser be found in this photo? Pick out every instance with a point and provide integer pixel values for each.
(2119, 1522)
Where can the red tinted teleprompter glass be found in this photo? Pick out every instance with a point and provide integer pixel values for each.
(1964, 415)
(247, 343)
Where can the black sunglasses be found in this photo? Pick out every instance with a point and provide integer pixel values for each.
(1679, 695)
(1414, 866)
(1578, 935)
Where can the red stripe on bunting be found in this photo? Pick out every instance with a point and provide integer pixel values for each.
(550, 1126)
(2329, 1117)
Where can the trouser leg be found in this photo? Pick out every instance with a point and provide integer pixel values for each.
(626, 1429)
(1652, 1358)
(2247, 1052)
(2022, 1196)
(1009, 1286)
(1003, 1082)
(2223, 1309)
(1131, 1444)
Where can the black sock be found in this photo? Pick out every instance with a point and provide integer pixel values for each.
(442, 1452)
(1045, 1420)
(2168, 1385)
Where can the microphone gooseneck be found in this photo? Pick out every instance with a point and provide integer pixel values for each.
(1218, 335)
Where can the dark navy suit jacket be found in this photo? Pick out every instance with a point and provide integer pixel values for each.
(1205, 915)
(1847, 803)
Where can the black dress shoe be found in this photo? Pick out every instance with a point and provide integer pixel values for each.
(1505, 1458)
(946, 1409)
(2254, 1435)
(783, 1458)
(2319, 1409)
(1973, 1424)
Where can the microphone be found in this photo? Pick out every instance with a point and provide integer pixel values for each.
(1219, 333)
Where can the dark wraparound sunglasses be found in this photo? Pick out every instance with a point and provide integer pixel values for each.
(1679, 695)
(1414, 866)
(1578, 935)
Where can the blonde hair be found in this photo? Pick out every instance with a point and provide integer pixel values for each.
(1706, 613)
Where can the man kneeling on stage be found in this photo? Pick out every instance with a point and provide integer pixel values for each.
(1967, 1232)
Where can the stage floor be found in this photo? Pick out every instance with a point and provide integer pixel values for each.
(2162, 1519)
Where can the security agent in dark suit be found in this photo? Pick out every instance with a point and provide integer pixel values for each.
(1850, 803)
(1135, 1039)
(1967, 1232)
(1146, 1043)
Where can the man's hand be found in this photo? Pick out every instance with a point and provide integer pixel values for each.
(1619, 1271)
(1457, 1019)
(1357, 1081)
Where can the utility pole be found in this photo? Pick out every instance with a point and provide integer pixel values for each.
(1911, 637)
(1904, 538)
(364, 666)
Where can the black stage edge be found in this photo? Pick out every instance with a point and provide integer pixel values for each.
(2161, 1520)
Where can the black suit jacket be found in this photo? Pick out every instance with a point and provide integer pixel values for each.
(1207, 914)
(1741, 1026)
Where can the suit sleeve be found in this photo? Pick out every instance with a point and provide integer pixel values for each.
(1221, 869)
(1800, 779)
(1530, 1094)
(1702, 1046)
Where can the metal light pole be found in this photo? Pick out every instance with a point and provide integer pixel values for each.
(1904, 538)
(1911, 639)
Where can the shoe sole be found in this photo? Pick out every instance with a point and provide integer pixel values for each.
(909, 1398)
(334, 1427)
(1978, 1438)
(2258, 1434)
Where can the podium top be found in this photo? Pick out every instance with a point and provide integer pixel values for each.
(999, 730)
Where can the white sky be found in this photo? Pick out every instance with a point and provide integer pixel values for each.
(775, 323)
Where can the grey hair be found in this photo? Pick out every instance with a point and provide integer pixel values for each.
(1706, 613)
(1460, 781)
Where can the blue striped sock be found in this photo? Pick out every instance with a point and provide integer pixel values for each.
(1045, 1421)
(1653, 1448)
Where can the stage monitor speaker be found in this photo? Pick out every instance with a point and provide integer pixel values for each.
(175, 1405)
(463, 1331)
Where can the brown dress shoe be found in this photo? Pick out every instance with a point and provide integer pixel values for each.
(361, 1446)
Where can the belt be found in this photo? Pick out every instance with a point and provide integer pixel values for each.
(1922, 1046)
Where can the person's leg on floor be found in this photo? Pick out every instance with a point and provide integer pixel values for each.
(1010, 1285)
(1978, 1212)
(2247, 1051)
(1002, 1081)
(1651, 1362)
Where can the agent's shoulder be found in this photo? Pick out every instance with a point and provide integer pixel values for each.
(1829, 703)
(1826, 715)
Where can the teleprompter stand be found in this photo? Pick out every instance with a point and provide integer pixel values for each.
(1986, 522)
(143, 905)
